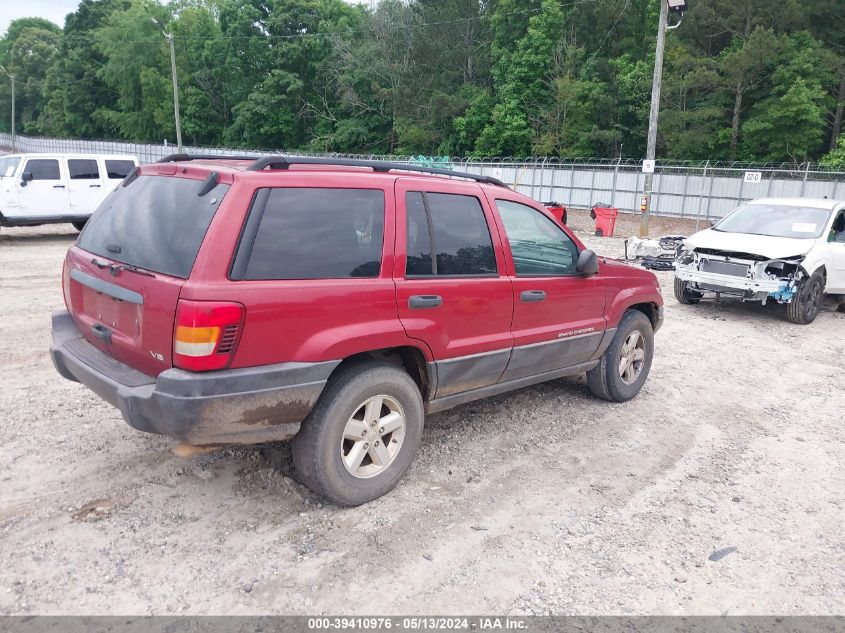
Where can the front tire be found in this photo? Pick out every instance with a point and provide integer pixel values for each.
(362, 435)
(805, 306)
(625, 364)
(684, 294)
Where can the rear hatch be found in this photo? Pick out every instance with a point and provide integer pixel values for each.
(123, 277)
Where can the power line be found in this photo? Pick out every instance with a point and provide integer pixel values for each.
(606, 37)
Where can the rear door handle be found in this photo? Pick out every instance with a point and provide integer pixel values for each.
(532, 296)
(420, 302)
(102, 332)
(94, 186)
(58, 186)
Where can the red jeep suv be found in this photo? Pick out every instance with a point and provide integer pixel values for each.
(222, 300)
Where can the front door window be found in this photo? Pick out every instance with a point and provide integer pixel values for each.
(539, 247)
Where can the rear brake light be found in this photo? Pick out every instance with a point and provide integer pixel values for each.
(206, 334)
(66, 286)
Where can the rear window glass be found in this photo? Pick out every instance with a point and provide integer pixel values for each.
(83, 169)
(9, 165)
(156, 223)
(310, 233)
(43, 169)
(119, 169)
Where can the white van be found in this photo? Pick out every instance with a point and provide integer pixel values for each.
(50, 188)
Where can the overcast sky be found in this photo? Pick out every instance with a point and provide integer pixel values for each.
(53, 10)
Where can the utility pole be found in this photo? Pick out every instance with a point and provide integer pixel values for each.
(169, 37)
(645, 203)
(12, 78)
(175, 94)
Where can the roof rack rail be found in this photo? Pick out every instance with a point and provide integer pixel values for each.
(181, 158)
(283, 162)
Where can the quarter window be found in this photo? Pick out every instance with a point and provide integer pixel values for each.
(119, 169)
(538, 245)
(83, 169)
(43, 169)
(461, 238)
(309, 233)
(8, 166)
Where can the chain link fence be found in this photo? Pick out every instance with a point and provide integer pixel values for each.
(700, 190)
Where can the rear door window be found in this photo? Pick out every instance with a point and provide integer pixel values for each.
(83, 169)
(312, 233)
(461, 238)
(419, 238)
(43, 169)
(156, 223)
(119, 169)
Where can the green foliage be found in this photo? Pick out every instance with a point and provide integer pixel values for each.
(27, 51)
(787, 127)
(520, 77)
(836, 157)
(72, 89)
(755, 80)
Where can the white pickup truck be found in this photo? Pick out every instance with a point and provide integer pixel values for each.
(50, 188)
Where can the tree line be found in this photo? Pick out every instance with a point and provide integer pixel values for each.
(755, 80)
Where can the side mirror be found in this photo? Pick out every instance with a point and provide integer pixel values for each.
(588, 263)
(25, 178)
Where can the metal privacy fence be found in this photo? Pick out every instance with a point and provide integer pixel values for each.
(706, 190)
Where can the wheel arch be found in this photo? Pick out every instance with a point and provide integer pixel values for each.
(649, 309)
(645, 298)
(816, 259)
(818, 267)
(411, 359)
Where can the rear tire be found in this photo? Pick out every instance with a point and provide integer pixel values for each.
(684, 294)
(805, 306)
(79, 225)
(625, 364)
(350, 471)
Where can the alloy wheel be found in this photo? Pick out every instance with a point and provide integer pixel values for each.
(372, 437)
(632, 357)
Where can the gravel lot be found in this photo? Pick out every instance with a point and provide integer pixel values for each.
(539, 501)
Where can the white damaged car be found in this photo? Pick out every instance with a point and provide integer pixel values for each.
(789, 250)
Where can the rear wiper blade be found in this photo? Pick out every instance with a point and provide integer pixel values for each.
(115, 268)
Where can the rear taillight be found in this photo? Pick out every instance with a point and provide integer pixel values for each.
(66, 286)
(206, 334)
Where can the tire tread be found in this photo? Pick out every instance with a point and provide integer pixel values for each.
(602, 380)
(313, 449)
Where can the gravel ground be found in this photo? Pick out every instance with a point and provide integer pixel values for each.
(718, 490)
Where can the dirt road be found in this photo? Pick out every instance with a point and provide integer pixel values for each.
(540, 501)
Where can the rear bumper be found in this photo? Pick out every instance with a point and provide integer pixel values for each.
(233, 406)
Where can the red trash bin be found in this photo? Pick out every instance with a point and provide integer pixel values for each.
(605, 220)
(557, 210)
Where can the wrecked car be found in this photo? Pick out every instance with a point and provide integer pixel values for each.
(791, 251)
